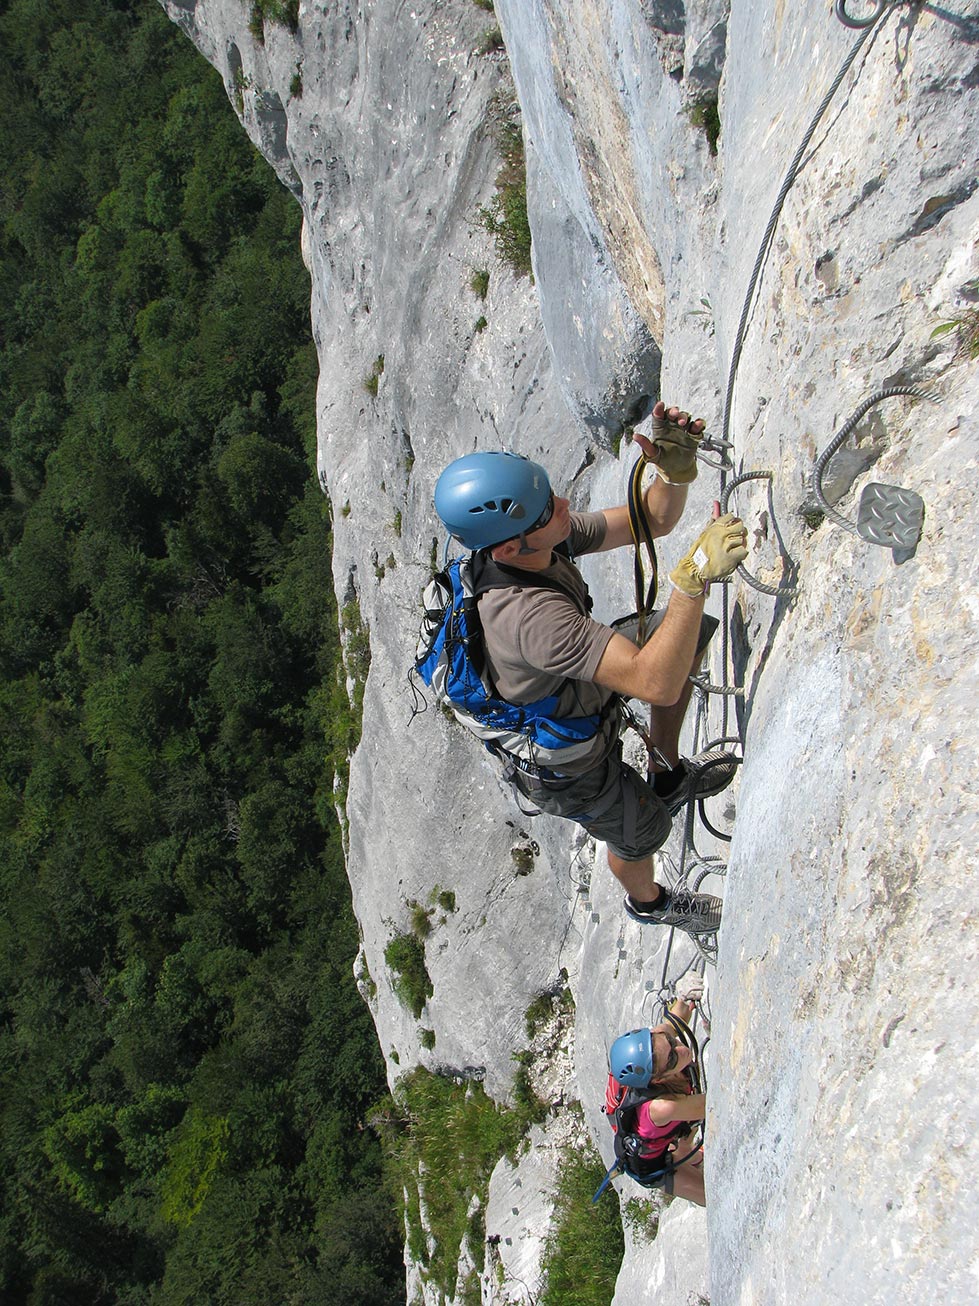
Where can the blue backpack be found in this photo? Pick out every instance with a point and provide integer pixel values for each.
(450, 659)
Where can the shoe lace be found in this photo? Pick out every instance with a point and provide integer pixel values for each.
(692, 904)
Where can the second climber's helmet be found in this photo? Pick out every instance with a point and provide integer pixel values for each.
(630, 1058)
(485, 498)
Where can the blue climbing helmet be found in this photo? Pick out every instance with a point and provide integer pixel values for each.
(630, 1058)
(486, 498)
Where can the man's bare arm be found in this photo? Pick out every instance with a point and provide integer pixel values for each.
(657, 672)
(664, 508)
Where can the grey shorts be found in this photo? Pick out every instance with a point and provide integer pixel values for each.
(613, 802)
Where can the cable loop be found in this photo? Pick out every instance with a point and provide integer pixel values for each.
(848, 21)
(705, 687)
(838, 440)
(775, 591)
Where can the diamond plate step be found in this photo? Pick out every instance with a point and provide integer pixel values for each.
(892, 518)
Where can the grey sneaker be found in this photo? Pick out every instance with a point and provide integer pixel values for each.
(695, 913)
(707, 774)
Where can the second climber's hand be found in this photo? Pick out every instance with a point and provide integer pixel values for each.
(690, 987)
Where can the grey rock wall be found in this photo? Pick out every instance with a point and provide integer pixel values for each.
(843, 1057)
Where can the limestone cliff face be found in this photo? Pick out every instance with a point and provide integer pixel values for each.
(843, 1068)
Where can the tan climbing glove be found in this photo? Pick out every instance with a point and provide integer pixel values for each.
(690, 987)
(716, 554)
(675, 449)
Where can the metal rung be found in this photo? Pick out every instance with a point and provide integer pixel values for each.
(892, 518)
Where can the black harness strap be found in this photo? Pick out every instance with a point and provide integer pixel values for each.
(642, 536)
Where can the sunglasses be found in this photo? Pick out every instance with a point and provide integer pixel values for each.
(673, 1058)
(545, 516)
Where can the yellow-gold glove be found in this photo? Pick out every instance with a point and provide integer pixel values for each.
(716, 554)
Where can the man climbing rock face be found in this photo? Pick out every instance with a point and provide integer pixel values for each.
(541, 644)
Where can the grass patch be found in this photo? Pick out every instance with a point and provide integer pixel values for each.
(357, 644)
(966, 328)
(813, 517)
(363, 976)
(427, 1039)
(704, 315)
(505, 217)
(556, 1000)
(529, 1106)
(285, 12)
(373, 377)
(405, 955)
(421, 920)
(441, 1141)
(584, 1249)
(469, 1293)
(476, 1237)
(490, 42)
(523, 860)
(538, 1013)
(486, 5)
(481, 325)
(704, 115)
(241, 82)
(642, 1219)
(344, 711)
(479, 283)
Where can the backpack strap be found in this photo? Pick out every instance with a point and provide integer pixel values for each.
(488, 574)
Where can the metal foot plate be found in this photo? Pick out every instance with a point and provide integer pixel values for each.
(891, 517)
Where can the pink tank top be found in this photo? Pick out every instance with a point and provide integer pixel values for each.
(647, 1128)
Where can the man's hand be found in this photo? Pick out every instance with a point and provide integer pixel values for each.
(718, 551)
(690, 987)
(673, 444)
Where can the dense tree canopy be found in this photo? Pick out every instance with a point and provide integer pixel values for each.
(185, 1063)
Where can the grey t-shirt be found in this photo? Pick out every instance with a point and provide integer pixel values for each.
(540, 641)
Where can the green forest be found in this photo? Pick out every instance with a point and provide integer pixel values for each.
(186, 1064)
